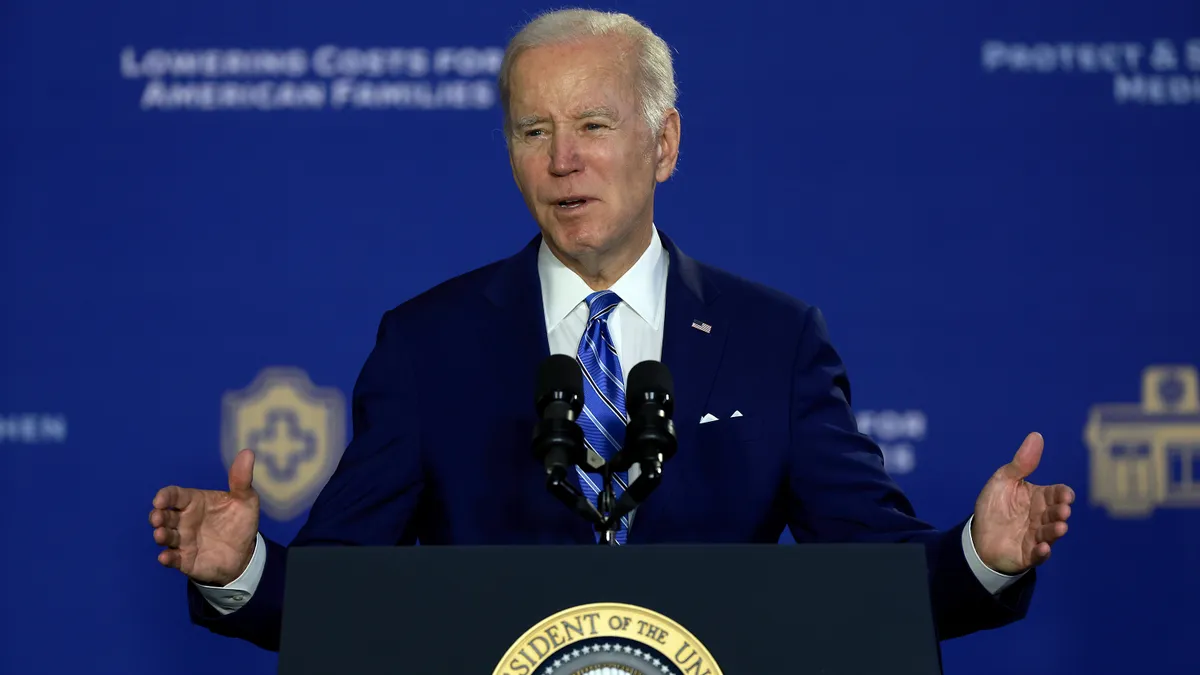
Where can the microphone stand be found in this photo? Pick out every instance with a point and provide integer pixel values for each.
(607, 501)
(605, 516)
(560, 487)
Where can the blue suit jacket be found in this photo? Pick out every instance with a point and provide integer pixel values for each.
(423, 466)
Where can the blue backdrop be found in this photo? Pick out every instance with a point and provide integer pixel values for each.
(996, 204)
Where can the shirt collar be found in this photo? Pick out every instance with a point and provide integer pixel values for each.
(641, 288)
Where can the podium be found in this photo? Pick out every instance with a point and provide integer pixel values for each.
(832, 609)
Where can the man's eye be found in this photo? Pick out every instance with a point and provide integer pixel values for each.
(532, 132)
(592, 126)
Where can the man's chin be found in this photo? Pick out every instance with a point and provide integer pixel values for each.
(574, 239)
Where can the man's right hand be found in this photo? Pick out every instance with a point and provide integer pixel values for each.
(209, 534)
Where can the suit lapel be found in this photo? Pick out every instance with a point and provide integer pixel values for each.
(694, 331)
(693, 336)
(516, 293)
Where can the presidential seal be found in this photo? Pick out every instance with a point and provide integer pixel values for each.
(607, 639)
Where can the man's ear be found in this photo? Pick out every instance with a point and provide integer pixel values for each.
(667, 146)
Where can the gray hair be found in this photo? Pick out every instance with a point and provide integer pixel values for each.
(655, 73)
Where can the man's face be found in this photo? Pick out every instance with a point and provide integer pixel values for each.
(581, 153)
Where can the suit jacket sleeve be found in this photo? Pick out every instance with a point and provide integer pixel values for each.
(368, 501)
(841, 493)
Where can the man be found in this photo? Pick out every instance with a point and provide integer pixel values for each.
(589, 102)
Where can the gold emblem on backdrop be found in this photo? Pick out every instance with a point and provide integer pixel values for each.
(1146, 455)
(297, 433)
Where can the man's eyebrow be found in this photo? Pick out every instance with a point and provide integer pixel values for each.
(599, 111)
(528, 121)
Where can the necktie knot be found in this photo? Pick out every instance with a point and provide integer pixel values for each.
(601, 303)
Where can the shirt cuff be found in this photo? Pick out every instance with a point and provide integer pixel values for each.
(992, 580)
(231, 597)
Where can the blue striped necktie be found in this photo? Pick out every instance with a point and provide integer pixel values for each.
(603, 420)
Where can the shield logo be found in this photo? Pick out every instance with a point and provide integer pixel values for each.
(297, 433)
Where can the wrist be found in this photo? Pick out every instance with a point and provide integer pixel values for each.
(235, 576)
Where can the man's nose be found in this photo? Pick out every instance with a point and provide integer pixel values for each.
(564, 156)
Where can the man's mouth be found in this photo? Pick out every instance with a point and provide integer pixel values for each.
(572, 202)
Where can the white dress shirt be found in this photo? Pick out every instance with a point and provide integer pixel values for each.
(636, 325)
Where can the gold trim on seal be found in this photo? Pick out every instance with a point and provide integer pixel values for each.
(665, 638)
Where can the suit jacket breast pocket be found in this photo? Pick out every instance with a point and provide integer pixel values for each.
(721, 437)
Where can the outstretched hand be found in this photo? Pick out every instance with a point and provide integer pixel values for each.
(1017, 522)
(209, 534)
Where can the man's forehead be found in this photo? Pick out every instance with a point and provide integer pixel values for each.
(572, 65)
(572, 97)
(571, 81)
(603, 49)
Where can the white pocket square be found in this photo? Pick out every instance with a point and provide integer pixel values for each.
(707, 418)
(736, 413)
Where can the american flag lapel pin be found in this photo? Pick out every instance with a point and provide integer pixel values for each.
(701, 326)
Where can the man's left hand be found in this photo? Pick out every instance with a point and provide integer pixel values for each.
(1016, 522)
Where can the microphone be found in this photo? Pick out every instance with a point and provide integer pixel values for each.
(650, 435)
(557, 438)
